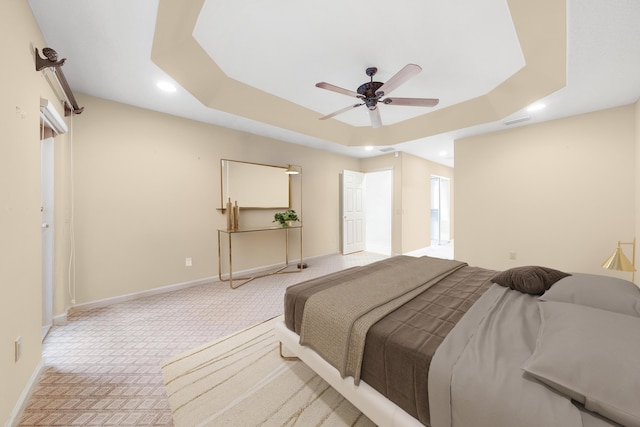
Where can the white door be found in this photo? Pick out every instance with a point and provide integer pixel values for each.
(352, 212)
(46, 176)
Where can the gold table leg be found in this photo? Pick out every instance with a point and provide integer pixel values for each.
(287, 357)
(249, 279)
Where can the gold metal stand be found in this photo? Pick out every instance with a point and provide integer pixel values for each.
(287, 357)
(280, 270)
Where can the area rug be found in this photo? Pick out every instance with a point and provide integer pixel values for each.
(241, 380)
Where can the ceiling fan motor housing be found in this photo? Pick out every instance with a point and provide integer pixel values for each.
(368, 92)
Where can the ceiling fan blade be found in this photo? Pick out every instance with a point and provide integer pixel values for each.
(412, 102)
(335, 113)
(334, 88)
(374, 115)
(399, 78)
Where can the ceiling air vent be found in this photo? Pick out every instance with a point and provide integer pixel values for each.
(518, 120)
(387, 150)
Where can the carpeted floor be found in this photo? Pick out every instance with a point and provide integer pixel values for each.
(103, 367)
(241, 380)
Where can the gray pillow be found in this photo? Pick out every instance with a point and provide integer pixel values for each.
(591, 356)
(606, 293)
(530, 279)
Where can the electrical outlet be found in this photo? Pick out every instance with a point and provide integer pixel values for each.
(188, 262)
(513, 255)
(18, 348)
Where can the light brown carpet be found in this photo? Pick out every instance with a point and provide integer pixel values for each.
(241, 380)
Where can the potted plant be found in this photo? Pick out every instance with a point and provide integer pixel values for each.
(286, 218)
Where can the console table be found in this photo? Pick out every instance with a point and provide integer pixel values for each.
(280, 270)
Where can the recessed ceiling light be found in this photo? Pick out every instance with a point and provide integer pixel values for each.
(536, 107)
(442, 153)
(368, 148)
(166, 86)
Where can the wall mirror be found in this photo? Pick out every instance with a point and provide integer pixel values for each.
(254, 185)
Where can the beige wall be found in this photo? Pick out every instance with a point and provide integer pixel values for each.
(20, 247)
(559, 193)
(147, 186)
(147, 189)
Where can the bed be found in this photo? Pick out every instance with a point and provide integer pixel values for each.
(425, 341)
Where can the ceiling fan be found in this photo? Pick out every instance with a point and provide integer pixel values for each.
(370, 93)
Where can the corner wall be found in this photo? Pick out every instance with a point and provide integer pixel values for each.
(416, 200)
(559, 194)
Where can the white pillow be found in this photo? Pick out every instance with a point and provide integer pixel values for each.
(606, 293)
(592, 356)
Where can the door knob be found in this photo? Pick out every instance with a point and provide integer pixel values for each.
(44, 225)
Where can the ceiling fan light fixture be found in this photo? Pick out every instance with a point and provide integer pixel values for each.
(371, 92)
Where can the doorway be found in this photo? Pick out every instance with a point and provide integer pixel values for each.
(366, 209)
(46, 209)
(379, 210)
(440, 210)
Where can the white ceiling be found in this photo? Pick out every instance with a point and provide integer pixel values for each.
(484, 56)
(466, 48)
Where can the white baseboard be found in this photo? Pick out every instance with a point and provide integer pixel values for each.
(18, 410)
(252, 271)
(61, 319)
(170, 288)
(136, 295)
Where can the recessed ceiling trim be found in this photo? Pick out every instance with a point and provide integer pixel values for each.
(516, 121)
(179, 55)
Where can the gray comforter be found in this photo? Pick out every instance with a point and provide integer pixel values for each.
(336, 320)
(399, 347)
(476, 377)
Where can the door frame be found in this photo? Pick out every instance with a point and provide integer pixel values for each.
(47, 228)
